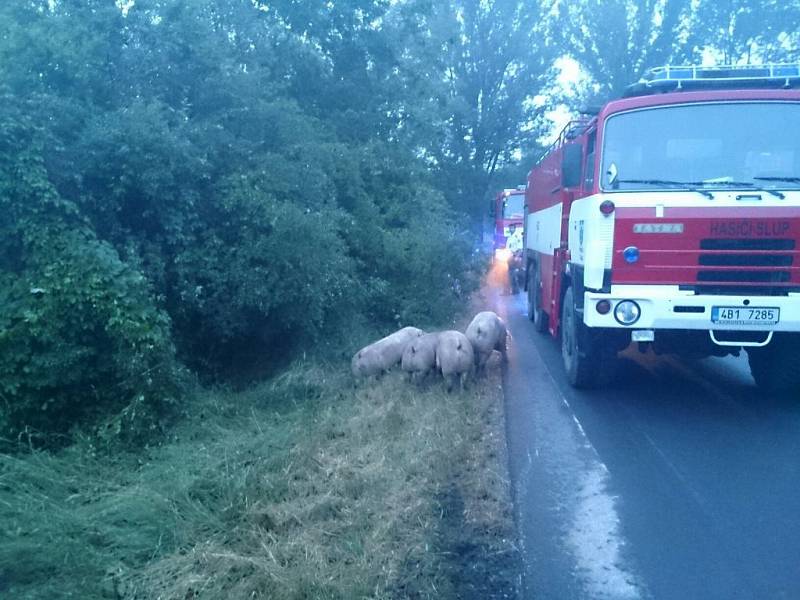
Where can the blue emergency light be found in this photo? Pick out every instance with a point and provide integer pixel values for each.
(688, 77)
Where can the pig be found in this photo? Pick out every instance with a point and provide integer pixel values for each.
(454, 357)
(486, 332)
(419, 357)
(384, 354)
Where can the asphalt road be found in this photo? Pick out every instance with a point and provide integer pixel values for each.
(680, 481)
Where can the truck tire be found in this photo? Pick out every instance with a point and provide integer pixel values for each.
(535, 312)
(590, 356)
(513, 279)
(580, 360)
(776, 367)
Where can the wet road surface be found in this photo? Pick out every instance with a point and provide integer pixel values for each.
(678, 481)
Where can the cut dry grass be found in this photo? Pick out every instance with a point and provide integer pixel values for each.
(300, 488)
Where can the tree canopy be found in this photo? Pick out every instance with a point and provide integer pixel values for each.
(615, 41)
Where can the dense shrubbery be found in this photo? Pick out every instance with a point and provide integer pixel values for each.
(172, 194)
(80, 334)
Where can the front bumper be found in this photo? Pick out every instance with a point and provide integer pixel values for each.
(668, 307)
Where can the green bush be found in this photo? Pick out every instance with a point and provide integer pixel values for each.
(81, 339)
(265, 276)
(415, 253)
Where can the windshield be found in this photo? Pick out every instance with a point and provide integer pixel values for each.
(513, 206)
(708, 145)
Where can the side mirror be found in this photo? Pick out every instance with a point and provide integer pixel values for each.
(571, 165)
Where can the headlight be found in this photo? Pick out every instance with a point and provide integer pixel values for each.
(627, 312)
(502, 254)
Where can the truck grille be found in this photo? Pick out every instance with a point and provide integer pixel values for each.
(745, 266)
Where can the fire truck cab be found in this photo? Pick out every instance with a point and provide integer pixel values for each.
(508, 209)
(671, 218)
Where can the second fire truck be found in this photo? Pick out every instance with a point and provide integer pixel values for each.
(671, 218)
(508, 209)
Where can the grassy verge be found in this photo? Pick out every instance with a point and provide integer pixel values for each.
(300, 488)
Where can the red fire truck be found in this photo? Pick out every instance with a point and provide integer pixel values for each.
(508, 210)
(671, 218)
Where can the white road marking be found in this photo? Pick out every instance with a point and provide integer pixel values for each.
(591, 535)
(595, 542)
(594, 539)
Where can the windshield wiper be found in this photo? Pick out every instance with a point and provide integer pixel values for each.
(748, 184)
(693, 184)
(789, 179)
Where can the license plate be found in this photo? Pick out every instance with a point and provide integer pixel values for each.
(745, 315)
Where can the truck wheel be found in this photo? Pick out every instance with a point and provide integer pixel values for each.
(513, 279)
(535, 312)
(590, 356)
(580, 360)
(776, 367)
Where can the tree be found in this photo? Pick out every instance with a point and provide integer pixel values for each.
(744, 31)
(490, 61)
(615, 41)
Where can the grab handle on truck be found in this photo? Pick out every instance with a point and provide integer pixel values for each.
(740, 342)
